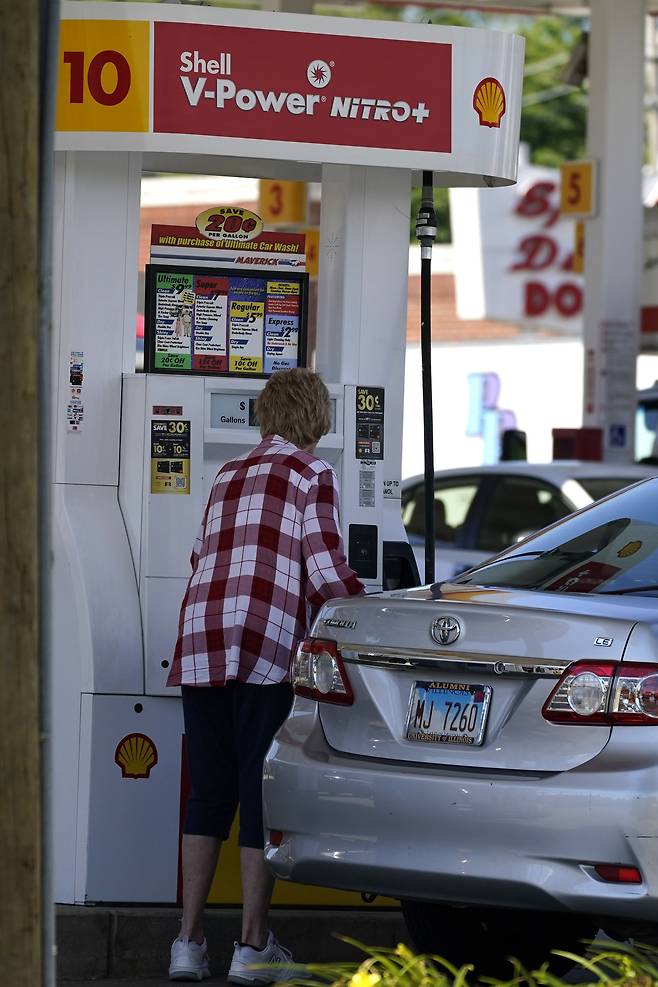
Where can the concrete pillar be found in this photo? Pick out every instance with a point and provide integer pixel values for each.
(613, 249)
(362, 309)
(364, 264)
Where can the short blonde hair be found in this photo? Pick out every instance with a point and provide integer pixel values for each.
(294, 404)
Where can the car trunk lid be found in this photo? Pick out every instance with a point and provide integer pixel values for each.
(508, 657)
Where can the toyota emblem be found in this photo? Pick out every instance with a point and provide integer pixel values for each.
(445, 630)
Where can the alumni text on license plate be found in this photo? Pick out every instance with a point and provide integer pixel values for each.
(448, 713)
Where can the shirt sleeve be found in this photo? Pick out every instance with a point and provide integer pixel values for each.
(328, 574)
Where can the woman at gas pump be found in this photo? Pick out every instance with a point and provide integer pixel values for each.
(269, 551)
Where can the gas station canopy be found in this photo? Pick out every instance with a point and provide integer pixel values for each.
(201, 81)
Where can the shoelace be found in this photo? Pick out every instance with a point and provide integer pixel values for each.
(188, 942)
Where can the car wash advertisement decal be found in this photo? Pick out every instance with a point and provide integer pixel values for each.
(241, 318)
(281, 251)
(317, 89)
(170, 456)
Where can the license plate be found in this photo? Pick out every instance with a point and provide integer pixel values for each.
(448, 713)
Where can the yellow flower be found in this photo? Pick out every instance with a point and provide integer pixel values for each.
(363, 979)
(404, 952)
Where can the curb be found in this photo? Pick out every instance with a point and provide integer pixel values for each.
(95, 943)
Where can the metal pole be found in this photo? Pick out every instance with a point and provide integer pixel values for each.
(426, 234)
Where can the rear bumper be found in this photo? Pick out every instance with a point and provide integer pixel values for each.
(489, 838)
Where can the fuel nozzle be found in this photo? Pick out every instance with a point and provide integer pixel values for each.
(426, 218)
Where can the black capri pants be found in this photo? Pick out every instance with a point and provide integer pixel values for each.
(229, 729)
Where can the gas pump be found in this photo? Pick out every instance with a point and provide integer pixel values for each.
(167, 88)
(189, 413)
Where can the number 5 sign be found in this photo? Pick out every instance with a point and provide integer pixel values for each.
(103, 76)
(578, 189)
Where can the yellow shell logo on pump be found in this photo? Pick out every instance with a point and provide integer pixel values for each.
(136, 754)
(630, 549)
(489, 102)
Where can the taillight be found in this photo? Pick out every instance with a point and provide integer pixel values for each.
(318, 673)
(606, 693)
(618, 873)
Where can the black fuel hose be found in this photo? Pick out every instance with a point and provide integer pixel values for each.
(426, 234)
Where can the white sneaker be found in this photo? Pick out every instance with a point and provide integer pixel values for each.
(189, 960)
(264, 966)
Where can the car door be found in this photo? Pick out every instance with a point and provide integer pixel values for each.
(453, 500)
(511, 508)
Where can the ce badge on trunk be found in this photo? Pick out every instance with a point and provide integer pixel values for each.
(445, 630)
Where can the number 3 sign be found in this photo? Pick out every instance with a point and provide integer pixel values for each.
(103, 79)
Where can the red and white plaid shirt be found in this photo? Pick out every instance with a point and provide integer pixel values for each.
(269, 549)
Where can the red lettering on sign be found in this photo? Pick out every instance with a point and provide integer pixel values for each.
(276, 199)
(574, 190)
(538, 299)
(538, 252)
(105, 97)
(121, 88)
(569, 299)
(537, 202)
(76, 60)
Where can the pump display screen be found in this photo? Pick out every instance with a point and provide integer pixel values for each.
(216, 321)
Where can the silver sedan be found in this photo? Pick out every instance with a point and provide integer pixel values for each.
(486, 750)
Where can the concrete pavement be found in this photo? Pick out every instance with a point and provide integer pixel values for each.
(145, 982)
(131, 945)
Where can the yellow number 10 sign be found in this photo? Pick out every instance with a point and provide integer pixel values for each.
(103, 76)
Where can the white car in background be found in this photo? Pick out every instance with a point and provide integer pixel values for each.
(646, 426)
(480, 511)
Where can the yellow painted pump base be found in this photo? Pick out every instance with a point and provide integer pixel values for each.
(226, 888)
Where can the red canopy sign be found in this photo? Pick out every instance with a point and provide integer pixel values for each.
(260, 84)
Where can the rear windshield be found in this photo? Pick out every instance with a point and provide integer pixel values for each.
(610, 547)
(600, 486)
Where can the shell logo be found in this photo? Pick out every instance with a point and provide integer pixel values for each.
(489, 102)
(136, 754)
(630, 549)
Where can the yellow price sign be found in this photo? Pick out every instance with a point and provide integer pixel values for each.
(578, 263)
(312, 250)
(578, 188)
(282, 203)
(103, 76)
